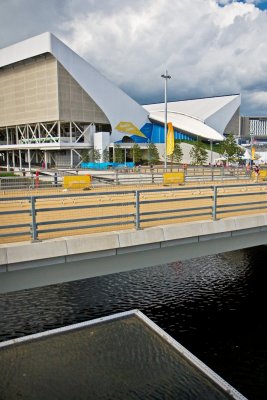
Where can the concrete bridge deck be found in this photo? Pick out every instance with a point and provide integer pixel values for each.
(27, 265)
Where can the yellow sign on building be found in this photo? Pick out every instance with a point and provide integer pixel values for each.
(130, 128)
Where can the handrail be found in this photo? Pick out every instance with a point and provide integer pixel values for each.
(133, 208)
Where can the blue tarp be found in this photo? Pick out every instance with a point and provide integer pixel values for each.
(106, 165)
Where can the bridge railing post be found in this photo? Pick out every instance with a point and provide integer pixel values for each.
(137, 209)
(34, 232)
(214, 207)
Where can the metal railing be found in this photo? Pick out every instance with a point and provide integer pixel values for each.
(49, 216)
(138, 176)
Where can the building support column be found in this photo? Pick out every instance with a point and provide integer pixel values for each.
(17, 135)
(45, 159)
(70, 132)
(211, 152)
(20, 161)
(7, 161)
(71, 158)
(29, 159)
(58, 131)
(13, 159)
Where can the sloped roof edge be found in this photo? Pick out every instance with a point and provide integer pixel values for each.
(100, 89)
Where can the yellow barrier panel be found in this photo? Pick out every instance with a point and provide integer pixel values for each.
(262, 175)
(173, 178)
(76, 182)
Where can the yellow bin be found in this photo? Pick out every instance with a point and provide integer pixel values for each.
(173, 178)
(77, 182)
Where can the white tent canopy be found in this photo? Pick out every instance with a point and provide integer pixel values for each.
(220, 159)
(246, 155)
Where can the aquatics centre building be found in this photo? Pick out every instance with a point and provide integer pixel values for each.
(54, 106)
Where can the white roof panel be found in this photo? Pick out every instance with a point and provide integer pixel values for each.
(198, 108)
(188, 124)
(206, 117)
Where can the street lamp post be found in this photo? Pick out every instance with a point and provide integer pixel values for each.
(251, 148)
(166, 77)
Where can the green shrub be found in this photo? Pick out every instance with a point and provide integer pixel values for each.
(5, 174)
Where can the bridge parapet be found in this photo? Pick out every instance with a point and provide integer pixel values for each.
(26, 264)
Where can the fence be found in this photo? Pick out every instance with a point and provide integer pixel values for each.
(124, 176)
(49, 216)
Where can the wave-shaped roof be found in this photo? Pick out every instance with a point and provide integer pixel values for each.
(206, 117)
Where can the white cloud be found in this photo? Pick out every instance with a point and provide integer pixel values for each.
(210, 47)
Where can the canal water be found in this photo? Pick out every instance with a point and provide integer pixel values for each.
(215, 306)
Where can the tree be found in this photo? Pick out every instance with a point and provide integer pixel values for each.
(96, 155)
(105, 155)
(153, 154)
(118, 153)
(177, 154)
(85, 156)
(136, 153)
(231, 150)
(198, 153)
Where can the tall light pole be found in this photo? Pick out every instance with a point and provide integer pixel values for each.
(166, 77)
(251, 148)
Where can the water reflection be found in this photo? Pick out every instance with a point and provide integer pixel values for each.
(213, 305)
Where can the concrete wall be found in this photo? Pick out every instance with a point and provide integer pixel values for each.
(101, 142)
(29, 92)
(186, 147)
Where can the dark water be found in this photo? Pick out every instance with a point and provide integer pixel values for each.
(122, 359)
(215, 306)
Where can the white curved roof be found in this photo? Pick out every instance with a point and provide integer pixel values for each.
(187, 124)
(206, 117)
(116, 104)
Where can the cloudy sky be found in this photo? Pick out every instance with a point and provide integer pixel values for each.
(209, 47)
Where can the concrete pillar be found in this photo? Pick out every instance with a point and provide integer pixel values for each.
(58, 131)
(211, 152)
(20, 161)
(7, 161)
(13, 158)
(71, 158)
(70, 132)
(45, 159)
(29, 159)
